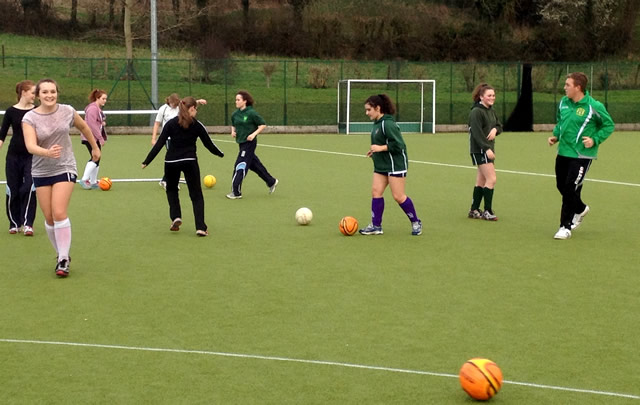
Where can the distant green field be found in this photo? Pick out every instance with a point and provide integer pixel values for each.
(264, 311)
(298, 91)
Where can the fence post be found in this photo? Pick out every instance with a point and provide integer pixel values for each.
(189, 81)
(226, 91)
(129, 69)
(285, 93)
(451, 93)
(519, 76)
(606, 85)
(504, 92)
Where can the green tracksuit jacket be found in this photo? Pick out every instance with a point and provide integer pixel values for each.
(394, 160)
(481, 121)
(587, 117)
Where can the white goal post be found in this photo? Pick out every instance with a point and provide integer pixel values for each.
(419, 123)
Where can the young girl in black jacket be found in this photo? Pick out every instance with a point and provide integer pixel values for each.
(184, 130)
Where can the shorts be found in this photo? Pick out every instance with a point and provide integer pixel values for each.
(389, 174)
(480, 159)
(50, 181)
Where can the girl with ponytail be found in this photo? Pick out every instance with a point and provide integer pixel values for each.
(96, 119)
(184, 131)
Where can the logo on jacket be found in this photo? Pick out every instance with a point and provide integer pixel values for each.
(245, 118)
(580, 112)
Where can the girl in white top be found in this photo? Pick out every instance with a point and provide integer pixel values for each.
(165, 113)
(46, 136)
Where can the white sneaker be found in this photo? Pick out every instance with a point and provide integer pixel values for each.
(162, 184)
(86, 184)
(232, 196)
(563, 233)
(577, 218)
(273, 187)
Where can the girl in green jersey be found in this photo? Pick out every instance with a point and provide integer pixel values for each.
(390, 162)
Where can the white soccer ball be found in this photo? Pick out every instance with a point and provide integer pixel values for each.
(304, 216)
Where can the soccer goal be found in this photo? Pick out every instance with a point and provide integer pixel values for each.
(414, 111)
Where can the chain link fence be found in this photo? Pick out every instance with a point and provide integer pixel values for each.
(304, 92)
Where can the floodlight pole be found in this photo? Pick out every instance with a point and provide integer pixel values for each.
(154, 55)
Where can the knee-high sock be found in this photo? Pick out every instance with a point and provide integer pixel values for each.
(409, 209)
(88, 169)
(94, 175)
(63, 237)
(477, 198)
(52, 235)
(488, 198)
(377, 208)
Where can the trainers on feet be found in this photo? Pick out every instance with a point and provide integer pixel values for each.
(232, 196)
(563, 233)
(86, 184)
(28, 231)
(371, 230)
(416, 228)
(175, 225)
(202, 233)
(13, 231)
(162, 184)
(95, 186)
(489, 215)
(475, 214)
(273, 187)
(577, 218)
(62, 269)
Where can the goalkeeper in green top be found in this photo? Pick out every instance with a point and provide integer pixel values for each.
(390, 162)
(583, 123)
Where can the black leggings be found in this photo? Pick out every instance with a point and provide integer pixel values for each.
(191, 172)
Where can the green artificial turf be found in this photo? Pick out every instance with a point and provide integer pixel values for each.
(249, 314)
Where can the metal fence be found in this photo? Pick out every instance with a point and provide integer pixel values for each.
(304, 92)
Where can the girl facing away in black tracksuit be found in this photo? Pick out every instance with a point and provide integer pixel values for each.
(184, 130)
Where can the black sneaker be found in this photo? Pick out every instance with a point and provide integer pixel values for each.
(62, 269)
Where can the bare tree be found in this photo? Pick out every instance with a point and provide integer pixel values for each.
(74, 13)
(128, 37)
(298, 8)
(268, 69)
(175, 4)
(203, 15)
(245, 12)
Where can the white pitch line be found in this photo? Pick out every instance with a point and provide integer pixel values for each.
(620, 183)
(305, 361)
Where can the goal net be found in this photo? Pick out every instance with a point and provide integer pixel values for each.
(415, 102)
